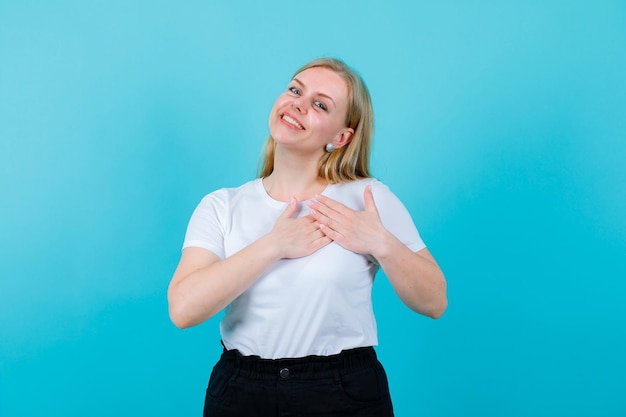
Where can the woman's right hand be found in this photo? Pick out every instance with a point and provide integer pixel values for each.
(295, 238)
(204, 284)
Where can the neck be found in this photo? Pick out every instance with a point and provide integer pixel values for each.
(294, 176)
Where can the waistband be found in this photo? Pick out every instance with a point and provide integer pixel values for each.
(308, 367)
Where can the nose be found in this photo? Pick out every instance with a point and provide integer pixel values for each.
(298, 104)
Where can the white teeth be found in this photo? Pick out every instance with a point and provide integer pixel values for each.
(292, 122)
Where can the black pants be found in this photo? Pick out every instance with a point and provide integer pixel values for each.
(351, 383)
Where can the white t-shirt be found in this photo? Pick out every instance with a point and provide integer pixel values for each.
(317, 305)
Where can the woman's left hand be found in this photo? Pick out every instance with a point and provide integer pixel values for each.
(357, 231)
(415, 276)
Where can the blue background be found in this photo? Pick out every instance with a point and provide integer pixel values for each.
(501, 125)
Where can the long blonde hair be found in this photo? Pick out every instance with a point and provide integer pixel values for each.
(350, 162)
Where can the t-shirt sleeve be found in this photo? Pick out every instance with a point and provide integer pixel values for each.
(206, 226)
(395, 217)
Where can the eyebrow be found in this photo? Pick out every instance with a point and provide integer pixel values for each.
(320, 94)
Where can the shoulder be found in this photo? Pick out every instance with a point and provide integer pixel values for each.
(351, 186)
(385, 199)
(213, 210)
(351, 193)
(224, 196)
(358, 186)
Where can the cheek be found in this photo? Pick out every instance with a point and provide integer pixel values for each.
(274, 122)
(330, 127)
(274, 111)
(281, 101)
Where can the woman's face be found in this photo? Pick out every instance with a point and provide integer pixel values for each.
(311, 112)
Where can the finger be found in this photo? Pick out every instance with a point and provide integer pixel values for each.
(290, 210)
(312, 228)
(322, 200)
(368, 197)
(331, 233)
(321, 242)
(326, 220)
(324, 214)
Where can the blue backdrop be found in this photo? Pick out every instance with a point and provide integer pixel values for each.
(501, 125)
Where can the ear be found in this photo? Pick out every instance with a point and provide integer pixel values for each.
(343, 137)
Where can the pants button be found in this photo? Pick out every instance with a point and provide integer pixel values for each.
(284, 373)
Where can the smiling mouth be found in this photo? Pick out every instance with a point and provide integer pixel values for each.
(292, 122)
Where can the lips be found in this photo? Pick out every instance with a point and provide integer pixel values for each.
(292, 121)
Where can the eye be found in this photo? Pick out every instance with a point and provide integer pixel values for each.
(321, 105)
(295, 91)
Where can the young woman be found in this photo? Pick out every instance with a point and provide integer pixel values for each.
(292, 256)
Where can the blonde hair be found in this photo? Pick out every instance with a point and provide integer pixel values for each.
(350, 162)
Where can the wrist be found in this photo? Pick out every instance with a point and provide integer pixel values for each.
(384, 247)
(271, 247)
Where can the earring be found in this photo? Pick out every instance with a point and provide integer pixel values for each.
(330, 147)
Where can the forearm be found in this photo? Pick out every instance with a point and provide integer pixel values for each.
(204, 292)
(415, 277)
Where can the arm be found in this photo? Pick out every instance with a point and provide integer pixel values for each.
(415, 276)
(204, 284)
